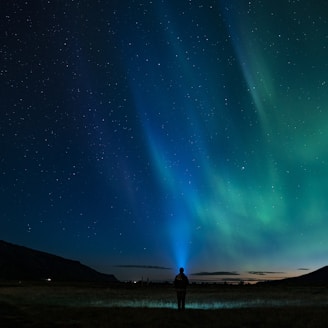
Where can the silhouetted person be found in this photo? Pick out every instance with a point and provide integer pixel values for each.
(180, 283)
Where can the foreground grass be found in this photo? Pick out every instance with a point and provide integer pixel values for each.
(90, 306)
(56, 316)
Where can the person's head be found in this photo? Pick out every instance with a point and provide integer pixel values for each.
(181, 270)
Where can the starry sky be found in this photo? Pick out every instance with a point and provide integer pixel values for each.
(141, 136)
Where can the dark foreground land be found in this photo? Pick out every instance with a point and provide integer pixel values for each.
(154, 306)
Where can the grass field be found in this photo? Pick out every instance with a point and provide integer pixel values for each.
(63, 305)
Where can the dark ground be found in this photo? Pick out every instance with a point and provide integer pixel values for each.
(94, 306)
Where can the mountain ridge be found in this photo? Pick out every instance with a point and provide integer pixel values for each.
(23, 263)
(314, 278)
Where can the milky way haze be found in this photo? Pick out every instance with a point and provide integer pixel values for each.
(155, 134)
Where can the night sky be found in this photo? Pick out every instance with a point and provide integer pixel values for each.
(141, 136)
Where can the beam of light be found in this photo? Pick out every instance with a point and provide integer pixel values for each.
(179, 232)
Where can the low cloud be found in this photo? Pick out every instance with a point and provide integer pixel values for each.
(303, 269)
(216, 273)
(137, 266)
(235, 279)
(263, 273)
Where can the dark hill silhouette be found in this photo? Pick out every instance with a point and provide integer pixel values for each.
(318, 277)
(22, 263)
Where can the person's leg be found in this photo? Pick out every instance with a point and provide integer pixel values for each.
(183, 300)
(179, 300)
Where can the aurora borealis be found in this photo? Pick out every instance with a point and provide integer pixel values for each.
(166, 133)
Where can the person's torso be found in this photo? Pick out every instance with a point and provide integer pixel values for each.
(181, 281)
